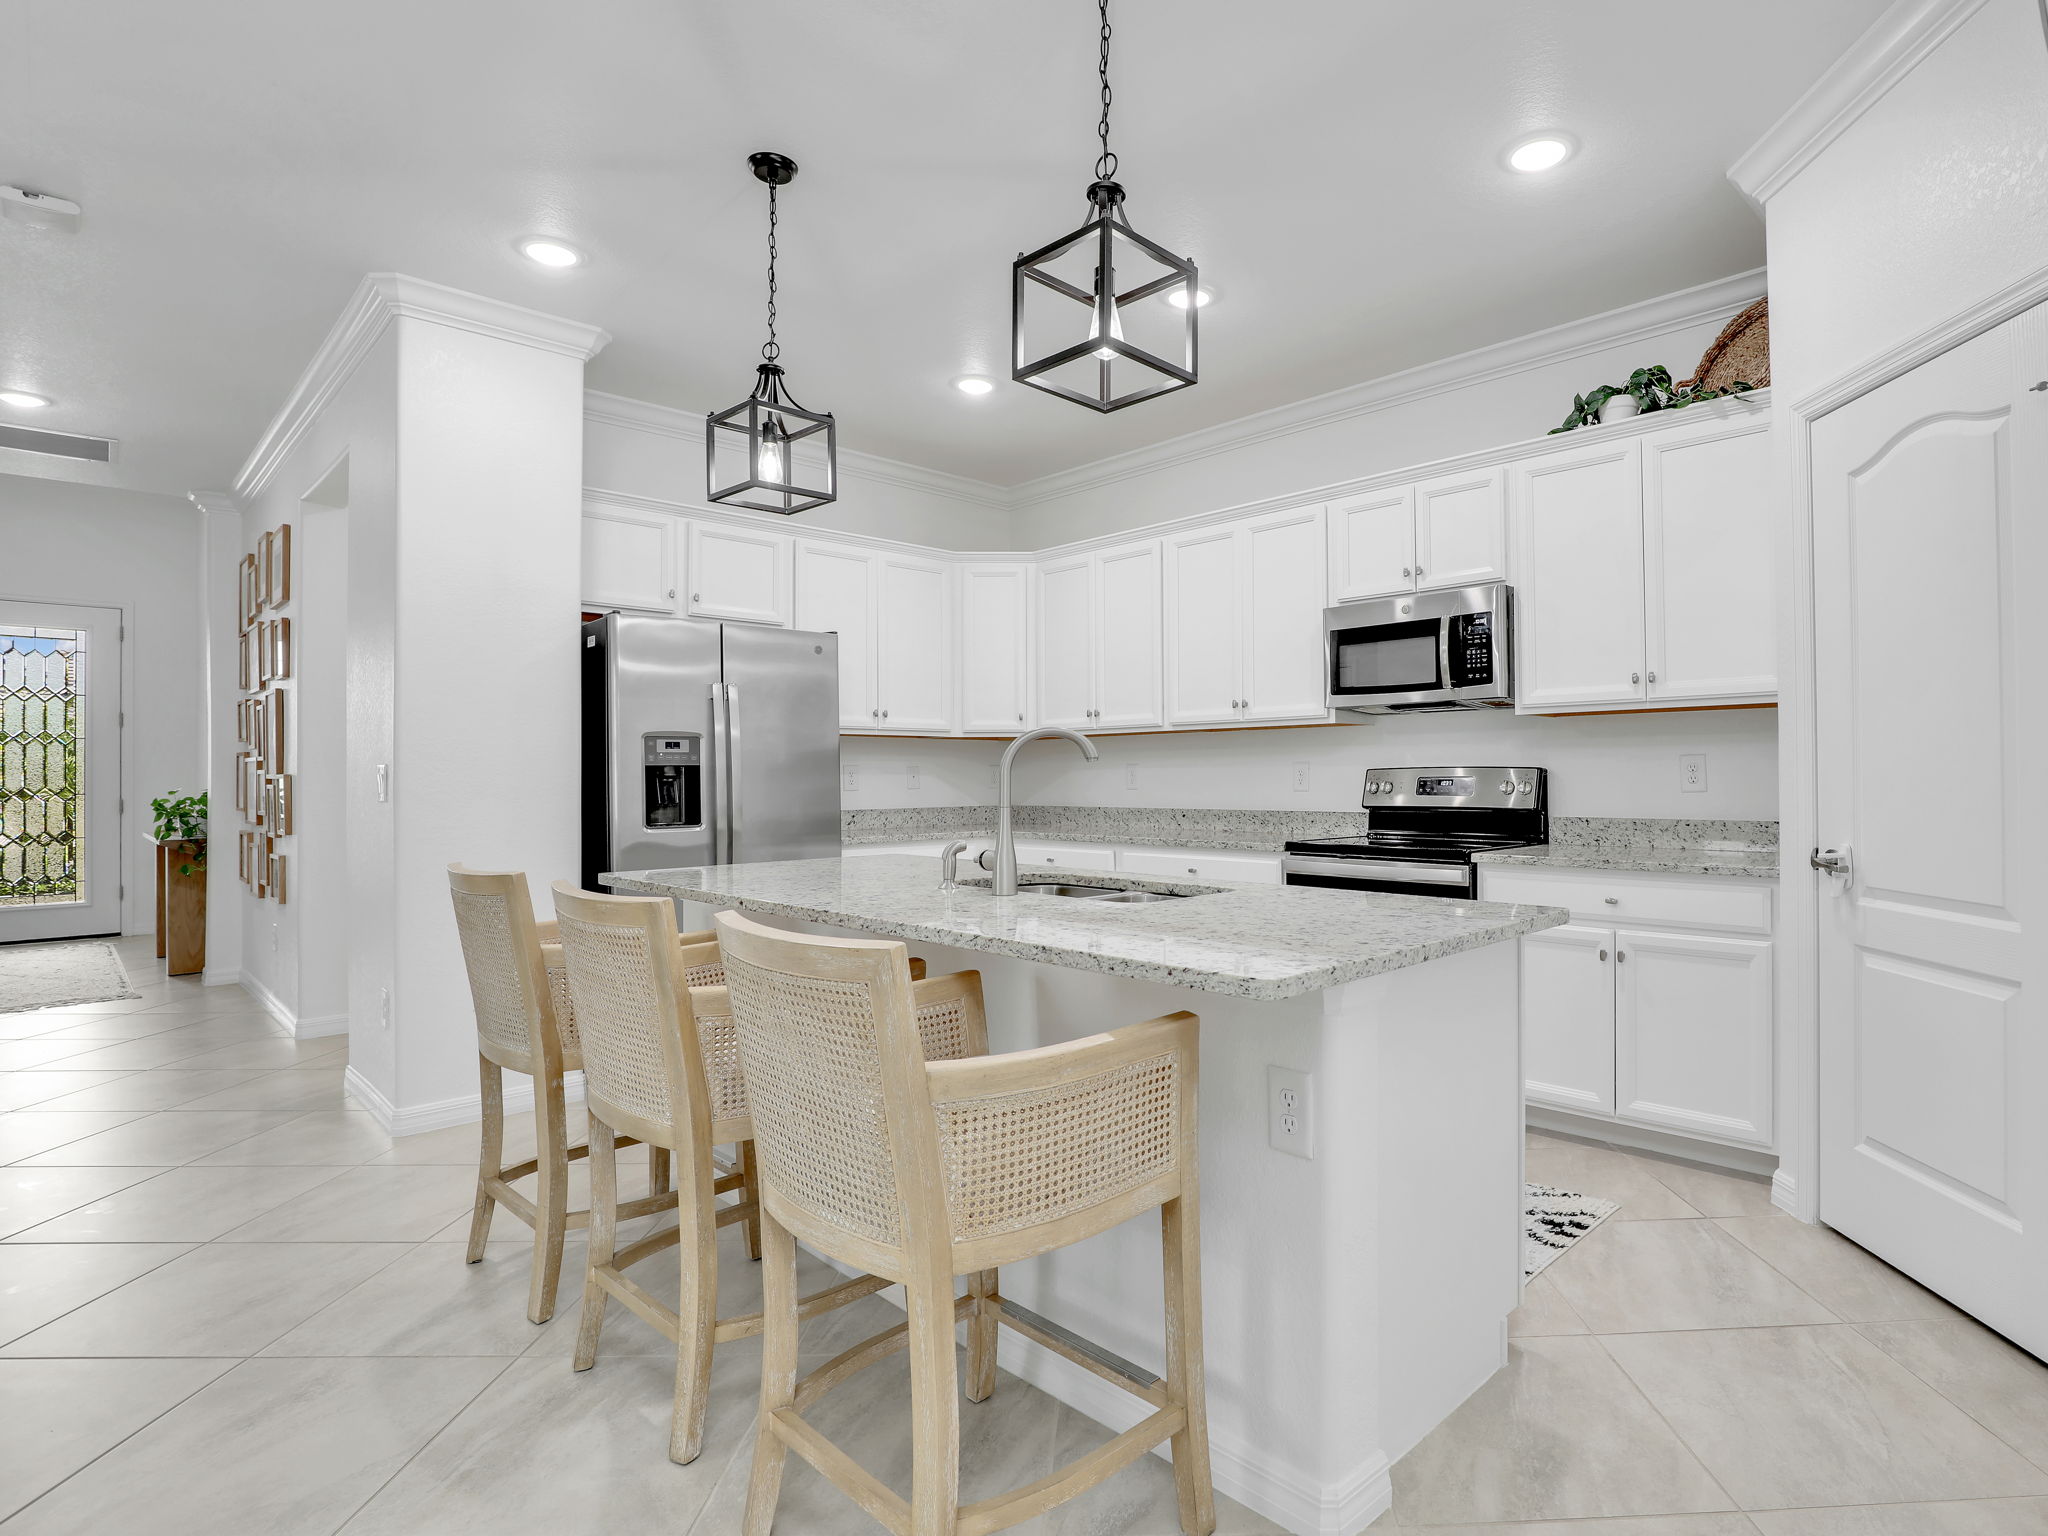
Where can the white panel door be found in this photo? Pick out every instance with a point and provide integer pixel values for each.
(1372, 544)
(1461, 528)
(1282, 557)
(995, 632)
(1579, 575)
(1692, 1034)
(914, 662)
(1066, 642)
(1709, 561)
(1128, 637)
(1203, 626)
(835, 591)
(629, 561)
(738, 573)
(1568, 1018)
(1930, 548)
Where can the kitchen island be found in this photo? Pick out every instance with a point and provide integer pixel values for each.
(1358, 1286)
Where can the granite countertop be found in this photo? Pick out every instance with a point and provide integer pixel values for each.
(1244, 940)
(1643, 859)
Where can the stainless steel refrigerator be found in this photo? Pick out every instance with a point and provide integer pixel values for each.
(707, 743)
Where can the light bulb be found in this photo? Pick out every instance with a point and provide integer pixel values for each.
(22, 398)
(1178, 297)
(1116, 332)
(1540, 154)
(768, 462)
(550, 253)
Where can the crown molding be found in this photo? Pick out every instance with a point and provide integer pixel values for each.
(378, 299)
(1878, 60)
(1637, 322)
(215, 503)
(688, 426)
(597, 499)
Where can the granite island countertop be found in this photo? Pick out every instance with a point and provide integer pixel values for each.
(1257, 941)
(1642, 859)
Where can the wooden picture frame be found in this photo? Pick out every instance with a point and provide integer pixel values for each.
(241, 782)
(242, 857)
(248, 655)
(277, 879)
(251, 595)
(266, 569)
(275, 713)
(263, 653)
(259, 863)
(280, 647)
(259, 732)
(281, 804)
(283, 587)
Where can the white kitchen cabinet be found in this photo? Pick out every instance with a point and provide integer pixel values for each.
(1066, 642)
(1200, 864)
(835, 591)
(1461, 530)
(1579, 576)
(995, 649)
(915, 649)
(1099, 639)
(1372, 544)
(1568, 1018)
(1065, 855)
(1709, 558)
(629, 561)
(739, 573)
(1244, 636)
(1693, 1035)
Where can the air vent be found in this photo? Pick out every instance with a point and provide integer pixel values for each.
(65, 445)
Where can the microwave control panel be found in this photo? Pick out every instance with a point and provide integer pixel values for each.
(1471, 650)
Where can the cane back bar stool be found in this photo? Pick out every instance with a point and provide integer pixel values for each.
(923, 1171)
(520, 1028)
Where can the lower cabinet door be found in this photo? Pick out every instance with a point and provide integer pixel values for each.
(1253, 868)
(1568, 1018)
(1065, 855)
(1693, 1035)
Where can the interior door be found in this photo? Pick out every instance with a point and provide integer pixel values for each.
(60, 771)
(1202, 626)
(1929, 551)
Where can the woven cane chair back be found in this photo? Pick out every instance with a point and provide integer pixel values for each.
(508, 985)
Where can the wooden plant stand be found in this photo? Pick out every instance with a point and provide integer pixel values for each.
(181, 906)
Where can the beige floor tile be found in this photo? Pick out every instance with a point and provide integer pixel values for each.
(163, 1139)
(1138, 1501)
(1559, 1434)
(60, 1414)
(1983, 1517)
(1799, 1417)
(299, 1092)
(430, 1302)
(40, 1282)
(19, 1090)
(1998, 1384)
(30, 1195)
(33, 1026)
(21, 1055)
(24, 1133)
(458, 1143)
(219, 1299)
(158, 1088)
(284, 1447)
(182, 1205)
(1714, 1194)
(274, 1053)
(167, 1049)
(1856, 1285)
(1543, 1311)
(324, 1136)
(1606, 1174)
(1653, 1276)
(106, 1028)
(366, 1205)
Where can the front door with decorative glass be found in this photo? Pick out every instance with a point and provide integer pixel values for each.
(60, 771)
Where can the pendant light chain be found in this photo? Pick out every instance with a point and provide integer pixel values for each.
(1105, 163)
(771, 349)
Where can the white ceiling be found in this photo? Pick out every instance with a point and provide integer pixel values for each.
(1332, 165)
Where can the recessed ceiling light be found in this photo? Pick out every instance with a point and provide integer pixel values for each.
(550, 253)
(1178, 297)
(21, 397)
(1543, 153)
(973, 384)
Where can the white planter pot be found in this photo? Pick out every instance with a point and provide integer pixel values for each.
(1618, 408)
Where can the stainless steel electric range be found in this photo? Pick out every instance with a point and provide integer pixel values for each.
(1423, 825)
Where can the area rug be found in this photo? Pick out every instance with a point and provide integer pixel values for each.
(60, 976)
(1554, 1219)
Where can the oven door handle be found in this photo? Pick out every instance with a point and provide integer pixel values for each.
(1378, 869)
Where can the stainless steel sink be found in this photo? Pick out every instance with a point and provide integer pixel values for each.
(1134, 896)
(1105, 893)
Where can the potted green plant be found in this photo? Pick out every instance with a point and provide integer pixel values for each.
(1648, 389)
(181, 819)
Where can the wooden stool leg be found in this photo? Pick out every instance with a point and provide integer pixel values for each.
(657, 1170)
(490, 1159)
(1181, 1245)
(550, 1197)
(934, 1407)
(604, 1230)
(697, 1312)
(981, 1336)
(750, 1172)
(778, 1372)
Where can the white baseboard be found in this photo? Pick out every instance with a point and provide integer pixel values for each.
(1642, 1139)
(312, 1027)
(321, 1027)
(220, 978)
(441, 1114)
(1785, 1195)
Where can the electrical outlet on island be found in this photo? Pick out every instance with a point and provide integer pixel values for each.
(1290, 1112)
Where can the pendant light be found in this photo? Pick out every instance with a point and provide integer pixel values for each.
(1080, 324)
(763, 453)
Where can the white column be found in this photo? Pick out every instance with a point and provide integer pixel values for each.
(220, 553)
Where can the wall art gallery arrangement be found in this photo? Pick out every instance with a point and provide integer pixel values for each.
(263, 780)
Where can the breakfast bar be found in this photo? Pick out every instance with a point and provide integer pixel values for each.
(1361, 1241)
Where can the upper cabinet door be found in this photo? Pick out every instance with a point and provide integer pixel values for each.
(1202, 627)
(1372, 544)
(738, 573)
(1281, 560)
(1128, 637)
(995, 628)
(914, 659)
(629, 561)
(1066, 642)
(1579, 576)
(835, 591)
(1709, 559)
(1461, 529)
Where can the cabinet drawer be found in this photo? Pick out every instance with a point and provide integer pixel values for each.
(1065, 855)
(1263, 869)
(1722, 906)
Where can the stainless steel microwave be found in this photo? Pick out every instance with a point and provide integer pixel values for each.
(1452, 648)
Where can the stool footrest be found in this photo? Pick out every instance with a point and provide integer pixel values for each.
(1087, 1354)
(1077, 1476)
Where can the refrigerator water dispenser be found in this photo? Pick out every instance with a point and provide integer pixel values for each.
(672, 774)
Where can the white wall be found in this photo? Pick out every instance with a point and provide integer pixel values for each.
(61, 542)
(947, 772)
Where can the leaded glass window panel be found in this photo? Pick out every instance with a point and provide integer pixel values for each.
(42, 736)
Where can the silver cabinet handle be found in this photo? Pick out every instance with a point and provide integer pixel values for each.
(1620, 955)
(1418, 573)
(1020, 714)
(1612, 901)
(1406, 572)
(1603, 954)
(1191, 869)
(671, 594)
(1653, 677)
(696, 597)
(1635, 677)
(885, 714)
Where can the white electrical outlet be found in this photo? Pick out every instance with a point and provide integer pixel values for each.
(383, 782)
(384, 1007)
(1290, 1111)
(849, 778)
(1130, 775)
(910, 776)
(273, 938)
(1692, 772)
(1301, 778)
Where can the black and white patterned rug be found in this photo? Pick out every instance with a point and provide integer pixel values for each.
(1554, 1219)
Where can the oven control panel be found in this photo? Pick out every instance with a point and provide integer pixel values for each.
(1496, 788)
(1471, 649)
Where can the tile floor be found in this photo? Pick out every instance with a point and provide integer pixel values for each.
(229, 1302)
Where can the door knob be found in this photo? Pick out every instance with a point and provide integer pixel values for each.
(1830, 861)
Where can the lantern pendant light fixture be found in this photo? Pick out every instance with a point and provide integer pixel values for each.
(1080, 324)
(764, 453)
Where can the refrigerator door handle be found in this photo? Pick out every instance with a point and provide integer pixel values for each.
(732, 773)
(721, 759)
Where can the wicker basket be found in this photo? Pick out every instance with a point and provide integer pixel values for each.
(1742, 352)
